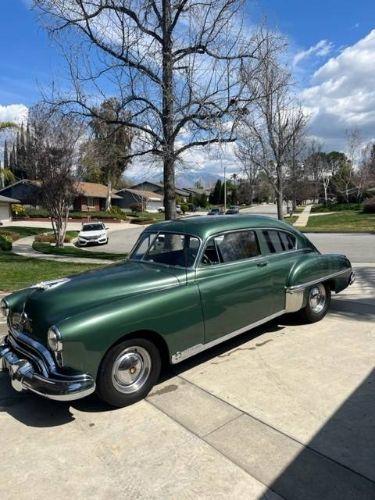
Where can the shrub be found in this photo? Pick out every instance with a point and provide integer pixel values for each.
(136, 207)
(184, 207)
(9, 235)
(117, 213)
(5, 244)
(18, 210)
(50, 238)
(335, 207)
(369, 206)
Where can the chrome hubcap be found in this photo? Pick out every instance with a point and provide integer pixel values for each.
(317, 298)
(131, 369)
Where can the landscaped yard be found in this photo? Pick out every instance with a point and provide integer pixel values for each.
(343, 221)
(19, 272)
(75, 252)
(21, 232)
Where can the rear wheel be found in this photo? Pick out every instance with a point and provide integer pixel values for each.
(318, 301)
(128, 372)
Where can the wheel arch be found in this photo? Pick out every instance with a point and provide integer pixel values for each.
(150, 335)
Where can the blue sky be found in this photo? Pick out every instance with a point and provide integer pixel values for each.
(332, 52)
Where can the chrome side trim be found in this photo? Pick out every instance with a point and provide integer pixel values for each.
(192, 351)
(294, 295)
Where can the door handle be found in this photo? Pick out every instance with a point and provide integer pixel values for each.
(262, 264)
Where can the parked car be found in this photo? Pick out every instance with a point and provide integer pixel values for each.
(215, 211)
(161, 210)
(187, 285)
(232, 210)
(92, 233)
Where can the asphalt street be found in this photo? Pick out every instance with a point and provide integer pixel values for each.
(359, 248)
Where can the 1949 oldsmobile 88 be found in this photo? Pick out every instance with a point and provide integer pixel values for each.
(187, 285)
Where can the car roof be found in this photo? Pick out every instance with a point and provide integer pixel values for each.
(205, 226)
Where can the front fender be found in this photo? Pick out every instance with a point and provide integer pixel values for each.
(174, 313)
(311, 269)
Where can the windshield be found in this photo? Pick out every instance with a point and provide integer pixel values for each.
(166, 248)
(92, 227)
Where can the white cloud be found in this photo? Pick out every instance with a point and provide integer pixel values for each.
(13, 113)
(321, 49)
(342, 95)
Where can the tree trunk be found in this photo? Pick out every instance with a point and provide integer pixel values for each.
(108, 201)
(280, 195)
(168, 146)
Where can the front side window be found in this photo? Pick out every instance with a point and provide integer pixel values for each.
(231, 247)
(279, 241)
(167, 248)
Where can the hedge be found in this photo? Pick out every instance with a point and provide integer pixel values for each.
(5, 244)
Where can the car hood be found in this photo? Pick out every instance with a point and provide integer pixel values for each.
(49, 303)
(92, 233)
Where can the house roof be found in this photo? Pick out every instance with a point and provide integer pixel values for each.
(149, 195)
(21, 181)
(94, 190)
(5, 199)
(179, 191)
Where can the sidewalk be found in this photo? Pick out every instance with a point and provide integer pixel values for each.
(303, 218)
(24, 248)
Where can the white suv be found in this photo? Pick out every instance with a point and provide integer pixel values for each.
(93, 232)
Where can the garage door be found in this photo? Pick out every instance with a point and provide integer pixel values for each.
(4, 212)
(153, 206)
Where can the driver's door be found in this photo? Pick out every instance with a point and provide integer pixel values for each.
(234, 283)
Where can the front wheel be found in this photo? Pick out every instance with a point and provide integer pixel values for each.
(128, 372)
(318, 301)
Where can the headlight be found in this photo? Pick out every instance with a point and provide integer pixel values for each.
(54, 339)
(4, 308)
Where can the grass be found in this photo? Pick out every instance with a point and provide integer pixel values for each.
(19, 272)
(75, 252)
(291, 220)
(349, 221)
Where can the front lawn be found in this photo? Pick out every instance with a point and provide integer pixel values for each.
(16, 233)
(349, 221)
(19, 272)
(75, 252)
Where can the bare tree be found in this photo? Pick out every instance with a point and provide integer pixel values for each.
(55, 137)
(172, 64)
(274, 120)
(250, 168)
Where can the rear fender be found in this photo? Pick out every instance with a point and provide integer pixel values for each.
(333, 269)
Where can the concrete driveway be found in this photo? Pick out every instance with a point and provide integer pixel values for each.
(284, 411)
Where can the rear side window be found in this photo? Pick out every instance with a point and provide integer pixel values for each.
(279, 241)
(231, 247)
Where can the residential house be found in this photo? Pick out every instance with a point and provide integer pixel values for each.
(26, 191)
(158, 187)
(144, 200)
(5, 209)
(92, 197)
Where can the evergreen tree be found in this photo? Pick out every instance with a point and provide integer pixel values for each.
(215, 196)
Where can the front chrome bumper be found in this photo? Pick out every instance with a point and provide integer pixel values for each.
(51, 384)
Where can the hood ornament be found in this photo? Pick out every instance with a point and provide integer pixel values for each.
(47, 285)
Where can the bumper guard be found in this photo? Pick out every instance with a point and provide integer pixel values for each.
(56, 386)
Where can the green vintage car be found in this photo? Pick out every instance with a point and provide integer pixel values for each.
(187, 285)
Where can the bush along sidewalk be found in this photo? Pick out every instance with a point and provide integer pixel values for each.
(5, 243)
